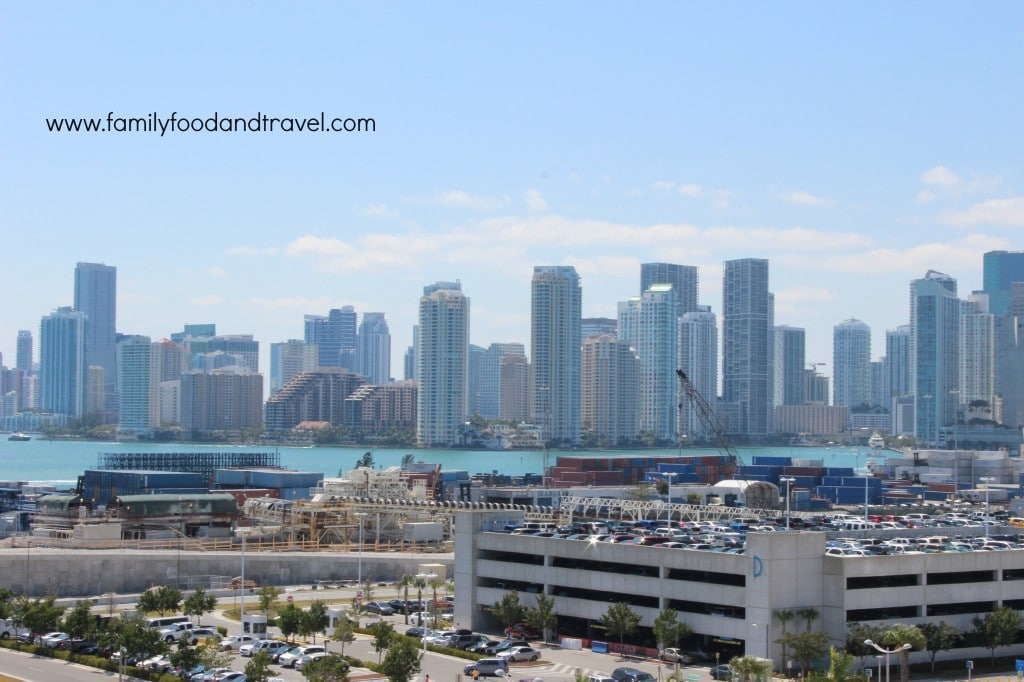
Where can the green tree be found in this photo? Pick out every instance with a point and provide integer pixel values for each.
(289, 620)
(186, 656)
(620, 621)
(199, 603)
(331, 668)
(6, 603)
(784, 616)
(542, 617)
(258, 667)
(840, 668)
(315, 619)
(406, 581)
(268, 596)
(661, 486)
(809, 614)
(402, 661)
(693, 498)
(79, 622)
(383, 635)
(40, 615)
(668, 629)
(435, 584)
(996, 629)
(751, 668)
(344, 632)
(160, 599)
(938, 637)
(365, 462)
(211, 657)
(806, 647)
(508, 611)
(857, 634)
(132, 635)
(899, 634)
(408, 459)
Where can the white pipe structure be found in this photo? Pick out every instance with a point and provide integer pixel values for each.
(887, 652)
(789, 481)
(359, 563)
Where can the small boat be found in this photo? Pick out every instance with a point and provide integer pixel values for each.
(876, 442)
(19, 436)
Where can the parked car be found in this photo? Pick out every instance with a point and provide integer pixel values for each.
(253, 647)
(81, 646)
(518, 654)
(309, 658)
(487, 666)
(505, 644)
(699, 656)
(721, 672)
(483, 646)
(204, 636)
(631, 675)
(175, 632)
(189, 673)
(235, 642)
(673, 655)
(381, 608)
(600, 678)
(287, 660)
(415, 631)
(54, 639)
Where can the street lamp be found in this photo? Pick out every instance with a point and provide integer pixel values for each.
(424, 577)
(241, 591)
(887, 652)
(359, 564)
(789, 481)
(987, 480)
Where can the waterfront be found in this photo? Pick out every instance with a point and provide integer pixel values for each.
(61, 462)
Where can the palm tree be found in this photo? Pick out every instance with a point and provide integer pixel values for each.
(436, 583)
(405, 582)
(809, 614)
(784, 616)
(419, 582)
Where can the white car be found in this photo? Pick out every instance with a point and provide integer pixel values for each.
(288, 659)
(236, 642)
(309, 658)
(54, 639)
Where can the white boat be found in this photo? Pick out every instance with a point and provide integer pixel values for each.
(876, 442)
(19, 437)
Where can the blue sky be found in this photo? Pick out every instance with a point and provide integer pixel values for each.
(854, 145)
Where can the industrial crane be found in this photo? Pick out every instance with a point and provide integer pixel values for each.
(708, 418)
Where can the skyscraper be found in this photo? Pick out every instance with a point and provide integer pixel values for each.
(374, 349)
(62, 369)
(609, 390)
(289, 359)
(650, 323)
(335, 334)
(897, 363)
(23, 357)
(698, 357)
(748, 318)
(486, 378)
(443, 362)
(934, 354)
(851, 364)
(138, 385)
(977, 352)
(789, 383)
(96, 298)
(1000, 270)
(556, 314)
(683, 279)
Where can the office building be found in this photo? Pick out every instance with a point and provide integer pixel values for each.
(650, 323)
(1000, 269)
(228, 399)
(96, 298)
(610, 382)
(373, 352)
(289, 359)
(851, 364)
(1009, 361)
(683, 279)
(698, 357)
(556, 313)
(23, 352)
(62, 369)
(789, 386)
(173, 361)
(335, 334)
(590, 326)
(977, 357)
(515, 388)
(897, 362)
(138, 360)
(748, 319)
(443, 362)
(241, 346)
(934, 354)
(485, 377)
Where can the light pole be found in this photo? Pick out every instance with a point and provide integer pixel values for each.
(359, 564)
(424, 577)
(905, 647)
(866, 477)
(241, 591)
(987, 480)
(788, 480)
(956, 417)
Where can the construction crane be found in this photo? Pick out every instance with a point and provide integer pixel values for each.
(708, 418)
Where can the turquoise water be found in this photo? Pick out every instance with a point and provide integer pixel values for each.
(43, 461)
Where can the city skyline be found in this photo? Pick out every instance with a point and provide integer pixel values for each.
(851, 153)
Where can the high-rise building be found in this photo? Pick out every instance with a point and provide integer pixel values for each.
(1009, 362)
(748, 319)
(515, 384)
(789, 385)
(650, 323)
(851, 364)
(96, 298)
(590, 326)
(228, 399)
(62, 368)
(1000, 269)
(698, 357)
(373, 409)
(683, 279)
(977, 353)
(556, 314)
(289, 359)
(485, 377)
(897, 363)
(242, 346)
(23, 354)
(317, 396)
(443, 363)
(373, 351)
(878, 395)
(934, 354)
(138, 379)
(609, 390)
(335, 334)
(174, 360)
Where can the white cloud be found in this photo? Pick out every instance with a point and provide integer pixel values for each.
(801, 198)
(380, 211)
(216, 271)
(208, 300)
(941, 176)
(319, 246)
(291, 303)
(463, 199)
(251, 251)
(663, 185)
(998, 212)
(691, 190)
(535, 200)
(926, 196)
(959, 255)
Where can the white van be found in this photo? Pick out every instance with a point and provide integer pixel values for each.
(857, 525)
(161, 623)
